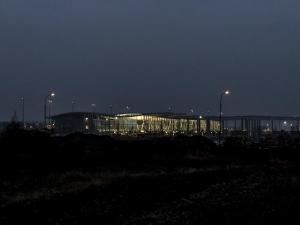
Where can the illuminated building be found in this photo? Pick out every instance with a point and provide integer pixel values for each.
(134, 123)
(171, 124)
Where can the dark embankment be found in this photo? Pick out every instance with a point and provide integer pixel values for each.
(86, 179)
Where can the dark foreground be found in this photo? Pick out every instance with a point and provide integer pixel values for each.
(183, 180)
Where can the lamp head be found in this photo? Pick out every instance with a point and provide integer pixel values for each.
(227, 92)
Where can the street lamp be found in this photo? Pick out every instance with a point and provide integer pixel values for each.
(110, 109)
(73, 106)
(224, 93)
(127, 109)
(93, 107)
(50, 101)
(110, 117)
(23, 111)
(47, 98)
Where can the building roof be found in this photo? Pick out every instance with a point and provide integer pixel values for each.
(177, 116)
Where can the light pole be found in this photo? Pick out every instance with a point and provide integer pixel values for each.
(109, 117)
(47, 98)
(73, 106)
(127, 109)
(23, 111)
(221, 112)
(111, 109)
(50, 101)
(93, 107)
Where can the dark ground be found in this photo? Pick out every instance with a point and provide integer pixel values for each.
(83, 179)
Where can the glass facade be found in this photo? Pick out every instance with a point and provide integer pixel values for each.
(152, 124)
(134, 123)
(169, 124)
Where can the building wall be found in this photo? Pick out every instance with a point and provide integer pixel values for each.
(127, 124)
(132, 124)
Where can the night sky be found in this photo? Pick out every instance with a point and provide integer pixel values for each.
(150, 54)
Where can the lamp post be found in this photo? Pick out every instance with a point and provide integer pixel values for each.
(127, 109)
(110, 109)
(93, 106)
(109, 117)
(47, 98)
(23, 111)
(221, 112)
(73, 106)
(50, 101)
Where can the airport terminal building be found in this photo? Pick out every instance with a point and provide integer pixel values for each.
(133, 123)
(171, 124)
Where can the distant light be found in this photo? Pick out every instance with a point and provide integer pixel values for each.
(227, 92)
(52, 94)
(200, 117)
(285, 123)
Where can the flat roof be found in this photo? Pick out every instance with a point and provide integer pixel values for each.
(178, 116)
